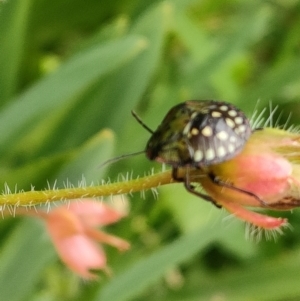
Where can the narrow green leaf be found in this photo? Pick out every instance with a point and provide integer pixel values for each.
(272, 83)
(85, 164)
(145, 272)
(13, 26)
(108, 104)
(58, 89)
(34, 173)
(266, 280)
(23, 258)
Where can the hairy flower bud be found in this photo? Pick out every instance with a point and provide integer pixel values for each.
(265, 174)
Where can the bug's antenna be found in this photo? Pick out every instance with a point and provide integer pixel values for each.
(116, 159)
(139, 120)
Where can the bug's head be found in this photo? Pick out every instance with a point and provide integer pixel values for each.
(167, 145)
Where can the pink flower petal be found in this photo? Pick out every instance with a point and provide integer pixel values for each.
(75, 249)
(95, 213)
(61, 222)
(112, 240)
(75, 239)
(260, 220)
(81, 255)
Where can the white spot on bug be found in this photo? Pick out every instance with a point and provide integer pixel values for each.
(194, 115)
(194, 131)
(232, 139)
(222, 135)
(209, 154)
(238, 120)
(237, 131)
(198, 155)
(242, 128)
(223, 108)
(186, 129)
(216, 114)
(230, 122)
(207, 131)
(231, 148)
(221, 151)
(232, 113)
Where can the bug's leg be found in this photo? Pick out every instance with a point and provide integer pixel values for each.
(190, 188)
(180, 179)
(175, 175)
(219, 182)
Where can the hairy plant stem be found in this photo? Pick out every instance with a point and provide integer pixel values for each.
(29, 198)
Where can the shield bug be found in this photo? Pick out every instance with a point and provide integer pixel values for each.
(197, 134)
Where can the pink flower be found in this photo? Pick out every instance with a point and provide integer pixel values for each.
(268, 167)
(72, 230)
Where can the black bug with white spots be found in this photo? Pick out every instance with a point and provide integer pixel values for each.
(194, 135)
(198, 134)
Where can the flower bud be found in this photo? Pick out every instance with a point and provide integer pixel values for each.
(265, 174)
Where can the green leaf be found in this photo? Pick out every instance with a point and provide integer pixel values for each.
(85, 163)
(34, 174)
(108, 104)
(13, 26)
(23, 259)
(57, 90)
(263, 280)
(273, 83)
(147, 271)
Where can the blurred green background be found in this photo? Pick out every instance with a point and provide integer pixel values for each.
(71, 72)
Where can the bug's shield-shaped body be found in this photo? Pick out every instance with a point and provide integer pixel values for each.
(199, 133)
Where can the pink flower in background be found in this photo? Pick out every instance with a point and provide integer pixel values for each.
(73, 231)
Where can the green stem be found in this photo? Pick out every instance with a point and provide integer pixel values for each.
(38, 197)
